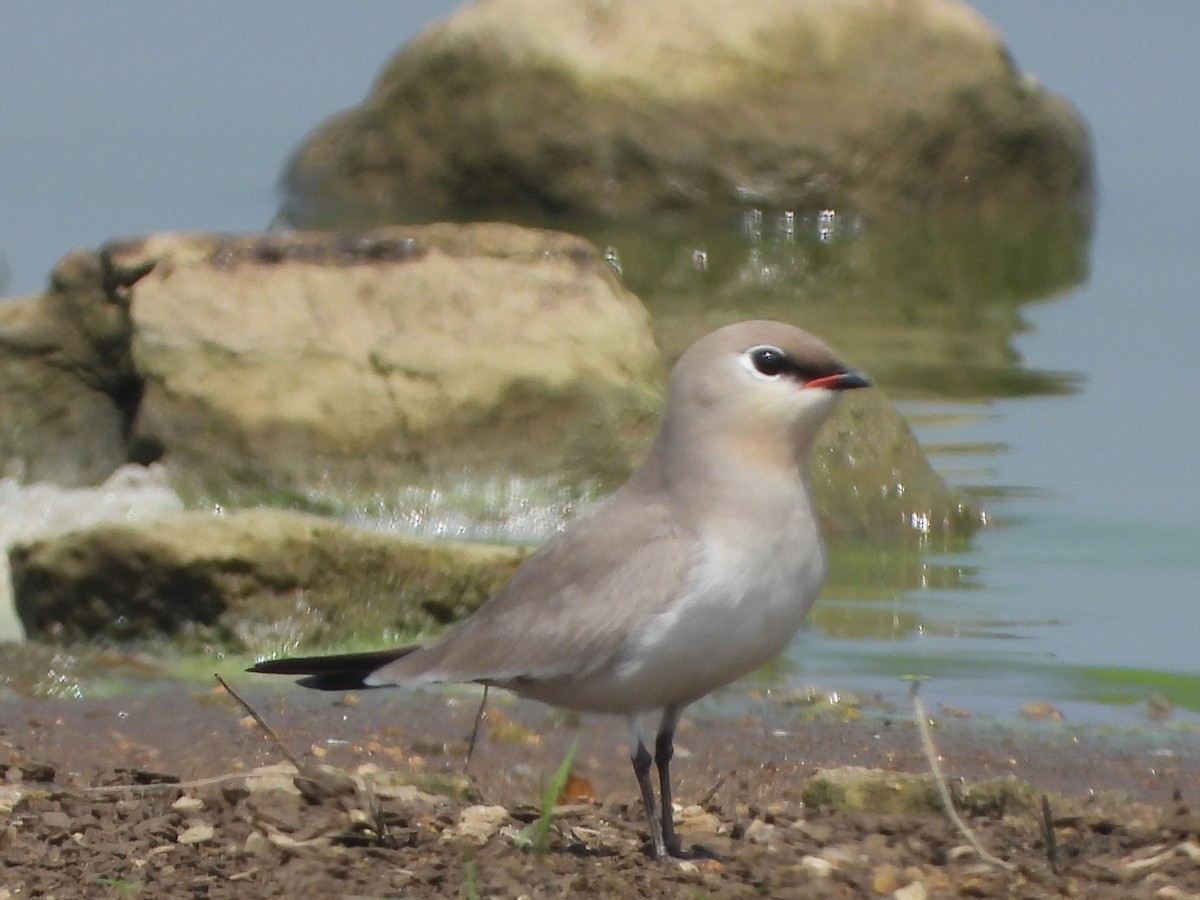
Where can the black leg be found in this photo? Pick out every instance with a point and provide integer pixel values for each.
(641, 770)
(664, 750)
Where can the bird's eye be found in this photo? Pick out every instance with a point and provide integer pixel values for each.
(769, 361)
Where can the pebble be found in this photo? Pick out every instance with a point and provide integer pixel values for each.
(10, 796)
(196, 833)
(816, 866)
(837, 855)
(1041, 712)
(56, 820)
(759, 832)
(693, 820)
(820, 832)
(912, 891)
(885, 879)
(479, 823)
(256, 842)
(277, 777)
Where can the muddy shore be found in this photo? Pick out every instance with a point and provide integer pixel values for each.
(1119, 803)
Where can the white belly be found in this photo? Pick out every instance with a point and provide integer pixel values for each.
(739, 612)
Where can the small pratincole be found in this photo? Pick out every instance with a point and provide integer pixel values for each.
(697, 571)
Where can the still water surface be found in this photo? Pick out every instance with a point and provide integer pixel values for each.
(1086, 595)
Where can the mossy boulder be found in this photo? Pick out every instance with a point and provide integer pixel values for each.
(260, 581)
(629, 108)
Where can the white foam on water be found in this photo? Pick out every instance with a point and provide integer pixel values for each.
(35, 511)
(508, 510)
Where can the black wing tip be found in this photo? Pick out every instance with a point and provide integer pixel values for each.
(338, 672)
(288, 665)
(335, 681)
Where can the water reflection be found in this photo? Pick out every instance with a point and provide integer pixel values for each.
(931, 310)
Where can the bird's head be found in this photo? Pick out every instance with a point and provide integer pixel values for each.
(759, 390)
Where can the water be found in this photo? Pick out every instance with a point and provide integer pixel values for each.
(1104, 550)
(180, 117)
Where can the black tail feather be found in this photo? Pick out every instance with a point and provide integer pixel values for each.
(338, 672)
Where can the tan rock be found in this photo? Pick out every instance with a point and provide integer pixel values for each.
(479, 823)
(317, 362)
(196, 833)
(914, 890)
(311, 362)
(695, 821)
(817, 866)
(760, 832)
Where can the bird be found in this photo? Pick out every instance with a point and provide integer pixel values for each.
(695, 572)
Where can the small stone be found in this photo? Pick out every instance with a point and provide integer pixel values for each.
(10, 796)
(197, 833)
(816, 866)
(56, 820)
(885, 879)
(284, 841)
(1041, 712)
(277, 777)
(818, 831)
(694, 820)
(912, 891)
(188, 804)
(838, 856)
(759, 832)
(256, 842)
(479, 823)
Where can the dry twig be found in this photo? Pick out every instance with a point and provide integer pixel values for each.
(939, 779)
(480, 715)
(1048, 835)
(708, 795)
(250, 711)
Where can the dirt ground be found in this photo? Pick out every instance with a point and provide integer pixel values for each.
(385, 810)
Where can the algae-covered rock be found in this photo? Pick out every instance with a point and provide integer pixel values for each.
(37, 511)
(872, 480)
(884, 792)
(263, 581)
(859, 789)
(633, 107)
(66, 375)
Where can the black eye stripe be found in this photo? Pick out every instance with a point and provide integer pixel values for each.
(772, 362)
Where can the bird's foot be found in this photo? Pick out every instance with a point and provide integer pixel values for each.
(675, 850)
